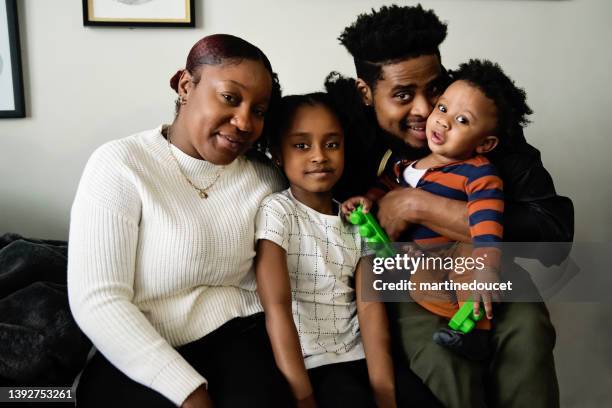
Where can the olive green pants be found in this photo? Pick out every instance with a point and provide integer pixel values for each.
(521, 372)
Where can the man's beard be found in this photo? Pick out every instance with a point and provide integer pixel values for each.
(401, 147)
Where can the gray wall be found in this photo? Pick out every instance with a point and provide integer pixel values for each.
(85, 86)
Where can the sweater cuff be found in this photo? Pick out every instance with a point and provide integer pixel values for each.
(177, 380)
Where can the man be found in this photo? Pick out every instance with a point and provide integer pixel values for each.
(400, 75)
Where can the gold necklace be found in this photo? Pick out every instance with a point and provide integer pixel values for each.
(202, 191)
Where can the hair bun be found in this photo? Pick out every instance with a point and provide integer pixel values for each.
(175, 80)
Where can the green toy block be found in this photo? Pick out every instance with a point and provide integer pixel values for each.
(465, 320)
(372, 233)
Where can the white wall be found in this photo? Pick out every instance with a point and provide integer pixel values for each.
(85, 86)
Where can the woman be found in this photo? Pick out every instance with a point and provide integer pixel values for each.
(162, 244)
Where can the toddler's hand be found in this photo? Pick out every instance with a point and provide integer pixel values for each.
(352, 203)
(487, 275)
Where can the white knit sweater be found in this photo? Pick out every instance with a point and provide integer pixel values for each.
(152, 265)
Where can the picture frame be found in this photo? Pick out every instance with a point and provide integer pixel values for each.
(12, 101)
(139, 13)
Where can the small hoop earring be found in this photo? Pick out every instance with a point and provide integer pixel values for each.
(181, 100)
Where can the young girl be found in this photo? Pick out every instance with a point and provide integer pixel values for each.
(307, 269)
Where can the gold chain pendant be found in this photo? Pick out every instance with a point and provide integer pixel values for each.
(201, 191)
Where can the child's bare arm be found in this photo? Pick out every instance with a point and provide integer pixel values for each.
(274, 289)
(374, 328)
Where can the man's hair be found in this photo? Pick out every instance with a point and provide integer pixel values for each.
(510, 100)
(389, 35)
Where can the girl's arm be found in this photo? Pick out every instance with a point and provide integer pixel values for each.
(376, 339)
(274, 290)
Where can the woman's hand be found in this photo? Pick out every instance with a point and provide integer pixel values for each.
(198, 399)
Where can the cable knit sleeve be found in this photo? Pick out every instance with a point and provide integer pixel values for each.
(104, 230)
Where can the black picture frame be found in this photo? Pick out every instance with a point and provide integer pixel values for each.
(17, 110)
(90, 20)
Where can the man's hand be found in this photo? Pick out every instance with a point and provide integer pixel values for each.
(396, 211)
(198, 399)
(401, 208)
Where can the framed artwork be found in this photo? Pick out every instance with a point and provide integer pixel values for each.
(12, 103)
(143, 13)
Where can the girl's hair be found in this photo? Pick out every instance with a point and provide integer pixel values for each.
(220, 49)
(289, 105)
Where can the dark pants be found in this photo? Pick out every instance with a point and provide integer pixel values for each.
(520, 374)
(236, 359)
(348, 385)
(342, 385)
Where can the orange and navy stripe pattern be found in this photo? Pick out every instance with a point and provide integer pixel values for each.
(474, 180)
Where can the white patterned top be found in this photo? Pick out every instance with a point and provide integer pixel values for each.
(322, 254)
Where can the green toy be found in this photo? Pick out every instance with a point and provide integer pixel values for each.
(465, 320)
(374, 235)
